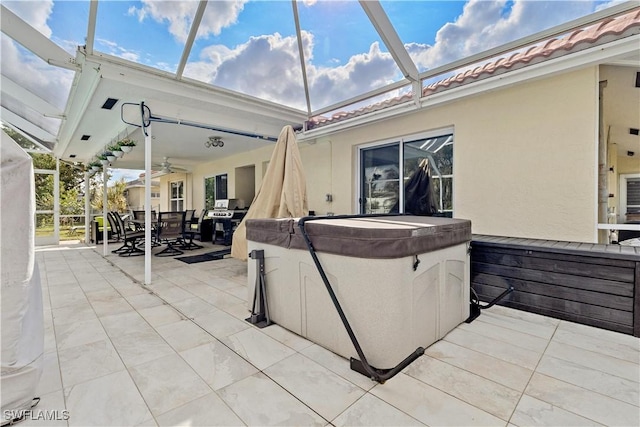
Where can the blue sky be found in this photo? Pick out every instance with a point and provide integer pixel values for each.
(251, 46)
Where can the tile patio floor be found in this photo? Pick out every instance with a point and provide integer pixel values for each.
(178, 353)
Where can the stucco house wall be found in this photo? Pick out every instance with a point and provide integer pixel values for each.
(525, 159)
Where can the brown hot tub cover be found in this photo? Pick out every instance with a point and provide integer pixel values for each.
(366, 237)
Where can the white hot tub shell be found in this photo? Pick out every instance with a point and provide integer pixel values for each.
(402, 281)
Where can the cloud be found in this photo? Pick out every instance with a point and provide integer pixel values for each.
(485, 24)
(34, 13)
(113, 48)
(268, 67)
(46, 81)
(179, 16)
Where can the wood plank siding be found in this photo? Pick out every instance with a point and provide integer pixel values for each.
(597, 285)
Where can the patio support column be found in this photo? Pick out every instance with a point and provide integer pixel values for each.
(147, 203)
(87, 208)
(603, 186)
(105, 232)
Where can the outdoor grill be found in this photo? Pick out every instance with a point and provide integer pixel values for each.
(228, 213)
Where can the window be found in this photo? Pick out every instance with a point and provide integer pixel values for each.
(215, 188)
(221, 187)
(629, 197)
(176, 202)
(383, 167)
(209, 192)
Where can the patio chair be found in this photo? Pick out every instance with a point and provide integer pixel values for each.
(130, 237)
(188, 232)
(196, 227)
(139, 221)
(116, 233)
(170, 231)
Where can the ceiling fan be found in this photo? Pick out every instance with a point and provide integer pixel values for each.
(167, 167)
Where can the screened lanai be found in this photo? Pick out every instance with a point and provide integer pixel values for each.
(74, 74)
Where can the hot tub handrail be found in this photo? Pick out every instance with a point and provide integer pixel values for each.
(362, 366)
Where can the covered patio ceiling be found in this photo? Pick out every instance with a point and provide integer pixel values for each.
(196, 108)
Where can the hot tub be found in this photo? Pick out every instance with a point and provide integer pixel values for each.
(402, 281)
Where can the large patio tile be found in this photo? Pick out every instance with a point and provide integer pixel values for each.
(502, 334)
(625, 351)
(580, 401)
(75, 312)
(144, 300)
(595, 361)
(136, 348)
(171, 293)
(77, 333)
(498, 349)
(430, 405)
(492, 397)
(88, 361)
(124, 323)
(71, 298)
(111, 305)
(602, 334)
(508, 374)
(168, 383)
(543, 329)
(160, 315)
(184, 334)
(337, 364)
(322, 390)
(220, 299)
(259, 401)
(218, 365)
(239, 311)
(220, 324)
(194, 307)
(371, 411)
(533, 412)
(208, 410)
(287, 337)
(259, 349)
(111, 400)
(600, 382)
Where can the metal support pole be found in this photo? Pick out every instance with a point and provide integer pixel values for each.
(105, 232)
(87, 208)
(259, 308)
(147, 197)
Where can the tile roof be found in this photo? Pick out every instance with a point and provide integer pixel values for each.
(600, 33)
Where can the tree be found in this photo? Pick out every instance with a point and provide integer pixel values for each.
(70, 178)
(116, 201)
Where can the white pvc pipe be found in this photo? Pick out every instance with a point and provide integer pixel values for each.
(87, 208)
(147, 205)
(105, 233)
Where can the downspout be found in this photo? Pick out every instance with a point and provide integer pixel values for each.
(146, 131)
(105, 222)
(603, 187)
(87, 208)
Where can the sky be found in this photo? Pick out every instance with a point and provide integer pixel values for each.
(251, 46)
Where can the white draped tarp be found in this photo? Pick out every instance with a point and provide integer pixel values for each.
(283, 193)
(21, 292)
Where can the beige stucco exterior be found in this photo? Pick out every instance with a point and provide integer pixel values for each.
(525, 159)
(135, 197)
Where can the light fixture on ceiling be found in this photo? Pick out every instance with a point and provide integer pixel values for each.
(214, 141)
(109, 103)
